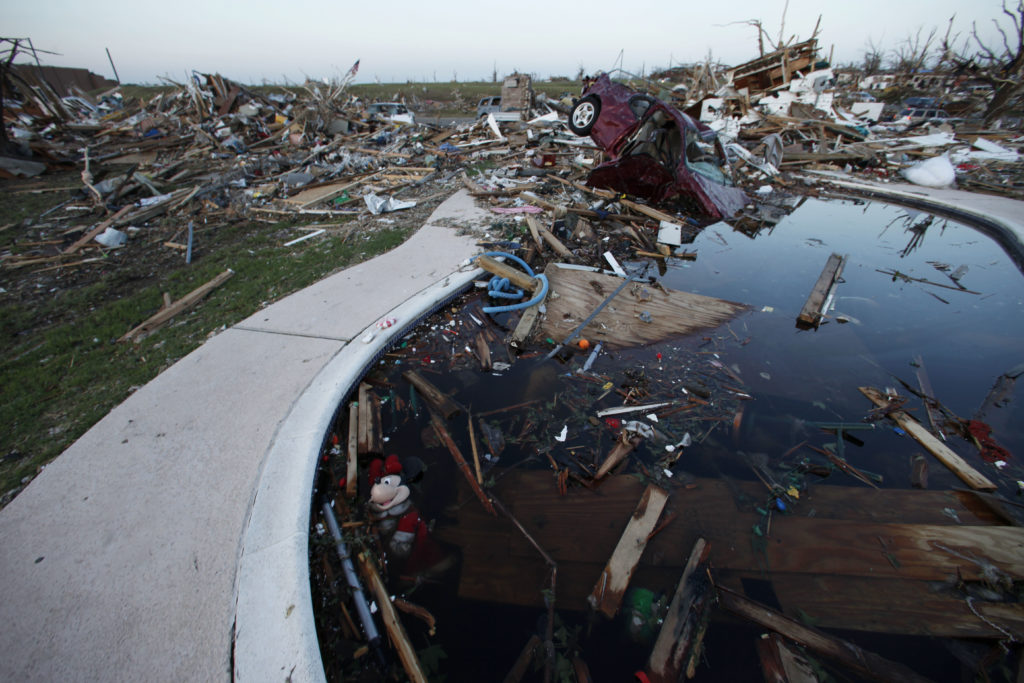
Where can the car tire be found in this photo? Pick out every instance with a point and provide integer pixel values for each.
(584, 115)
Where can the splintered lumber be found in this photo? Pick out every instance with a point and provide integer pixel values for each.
(675, 641)
(476, 452)
(946, 456)
(183, 304)
(483, 352)
(393, 625)
(781, 663)
(434, 396)
(925, 384)
(614, 580)
(865, 663)
(649, 211)
(460, 460)
(535, 228)
(88, 237)
(623, 447)
(313, 195)
(370, 439)
(524, 328)
(819, 298)
(513, 275)
(539, 231)
(619, 324)
(352, 467)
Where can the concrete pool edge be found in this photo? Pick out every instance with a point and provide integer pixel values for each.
(992, 214)
(274, 631)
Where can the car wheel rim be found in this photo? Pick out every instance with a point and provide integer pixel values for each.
(583, 115)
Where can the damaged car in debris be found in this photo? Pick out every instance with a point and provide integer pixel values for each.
(657, 152)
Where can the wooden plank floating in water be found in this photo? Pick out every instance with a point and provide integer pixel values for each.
(782, 662)
(946, 456)
(874, 554)
(865, 663)
(620, 325)
(614, 580)
(676, 640)
(443, 403)
(819, 298)
(396, 632)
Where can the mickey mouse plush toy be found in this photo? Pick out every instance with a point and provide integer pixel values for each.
(403, 531)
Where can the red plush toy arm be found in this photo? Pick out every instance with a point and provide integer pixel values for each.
(410, 529)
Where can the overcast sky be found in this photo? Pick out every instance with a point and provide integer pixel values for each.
(399, 40)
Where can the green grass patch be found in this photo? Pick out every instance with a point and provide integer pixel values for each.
(62, 368)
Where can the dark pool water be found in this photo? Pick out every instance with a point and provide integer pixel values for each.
(765, 381)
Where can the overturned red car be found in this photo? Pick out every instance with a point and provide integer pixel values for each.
(657, 152)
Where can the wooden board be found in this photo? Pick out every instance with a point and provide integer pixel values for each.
(580, 292)
(946, 456)
(311, 196)
(859, 586)
(814, 307)
(370, 438)
(673, 644)
(863, 662)
(614, 580)
(891, 606)
(352, 457)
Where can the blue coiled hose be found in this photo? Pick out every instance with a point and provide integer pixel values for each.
(499, 287)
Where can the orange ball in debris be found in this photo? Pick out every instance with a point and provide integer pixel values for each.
(584, 344)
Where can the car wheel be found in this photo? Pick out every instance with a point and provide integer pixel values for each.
(584, 115)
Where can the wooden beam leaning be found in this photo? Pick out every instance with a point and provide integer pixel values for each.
(370, 437)
(611, 585)
(946, 456)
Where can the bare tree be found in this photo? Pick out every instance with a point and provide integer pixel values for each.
(912, 53)
(874, 55)
(1002, 67)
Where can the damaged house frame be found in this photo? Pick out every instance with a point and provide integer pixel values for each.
(657, 152)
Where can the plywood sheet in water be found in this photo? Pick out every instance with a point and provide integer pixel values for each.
(873, 562)
(622, 322)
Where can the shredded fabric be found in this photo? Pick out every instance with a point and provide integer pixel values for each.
(990, 450)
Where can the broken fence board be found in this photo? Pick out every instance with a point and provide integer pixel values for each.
(946, 456)
(614, 580)
(817, 301)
